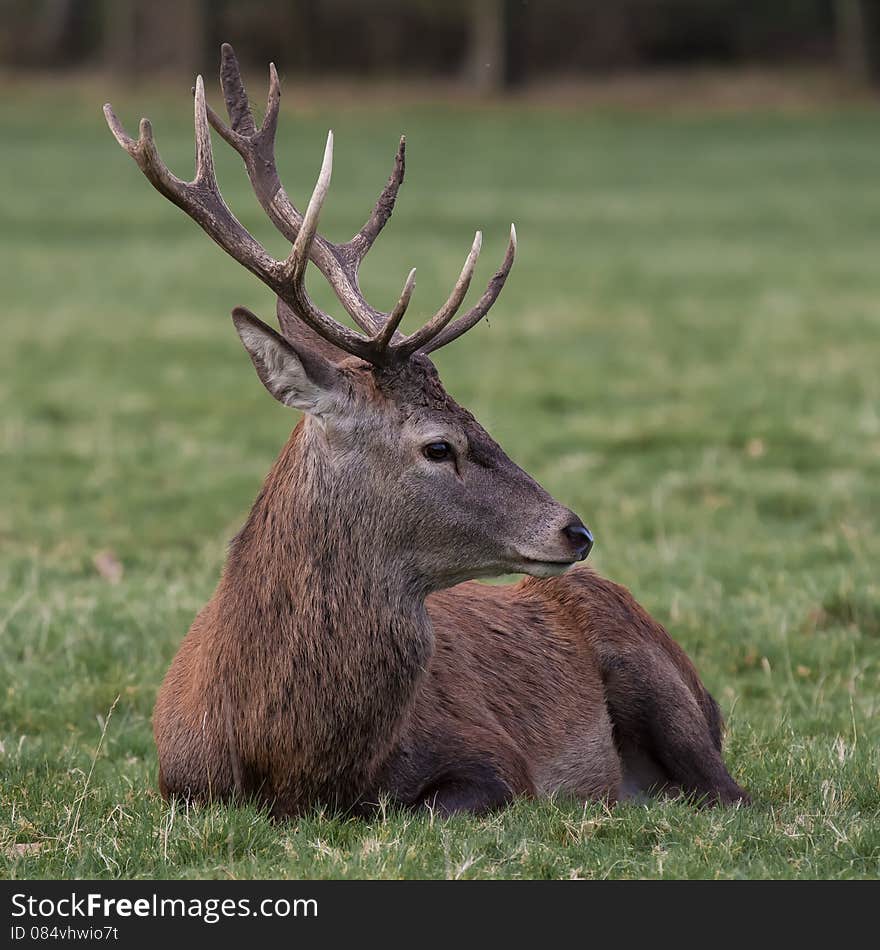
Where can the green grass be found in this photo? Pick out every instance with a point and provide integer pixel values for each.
(687, 354)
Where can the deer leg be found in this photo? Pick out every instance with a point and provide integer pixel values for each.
(450, 774)
(669, 739)
(474, 787)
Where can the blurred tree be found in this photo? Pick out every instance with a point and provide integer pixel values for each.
(52, 38)
(149, 36)
(495, 44)
(48, 34)
(486, 66)
(120, 37)
(853, 29)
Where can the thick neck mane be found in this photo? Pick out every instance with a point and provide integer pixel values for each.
(316, 629)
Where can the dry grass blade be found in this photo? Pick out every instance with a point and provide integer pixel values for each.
(78, 804)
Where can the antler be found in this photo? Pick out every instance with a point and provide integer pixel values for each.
(339, 263)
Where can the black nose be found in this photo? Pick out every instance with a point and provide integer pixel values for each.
(581, 538)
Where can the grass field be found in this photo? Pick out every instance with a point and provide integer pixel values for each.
(687, 354)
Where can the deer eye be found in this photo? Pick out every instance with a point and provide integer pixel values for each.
(437, 451)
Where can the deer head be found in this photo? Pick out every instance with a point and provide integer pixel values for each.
(381, 437)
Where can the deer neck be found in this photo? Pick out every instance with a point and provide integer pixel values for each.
(321, 611)
(321, 540)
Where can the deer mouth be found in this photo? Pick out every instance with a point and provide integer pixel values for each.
(538, 568)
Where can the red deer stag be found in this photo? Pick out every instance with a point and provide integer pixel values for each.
(347, 652)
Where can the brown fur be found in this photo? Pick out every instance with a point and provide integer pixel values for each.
(582, 689)
(332, 665)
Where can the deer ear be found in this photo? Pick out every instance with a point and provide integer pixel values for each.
(300, 379)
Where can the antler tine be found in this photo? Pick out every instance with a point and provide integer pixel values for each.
(441, 319)
(273, 105)
(143, 151)
(241, 118)
(241, 126)
(384, 337)
(204, 153)
(363, 240)
(483, 305)
(295, 265)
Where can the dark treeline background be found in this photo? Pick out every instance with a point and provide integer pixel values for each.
(494, 44)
